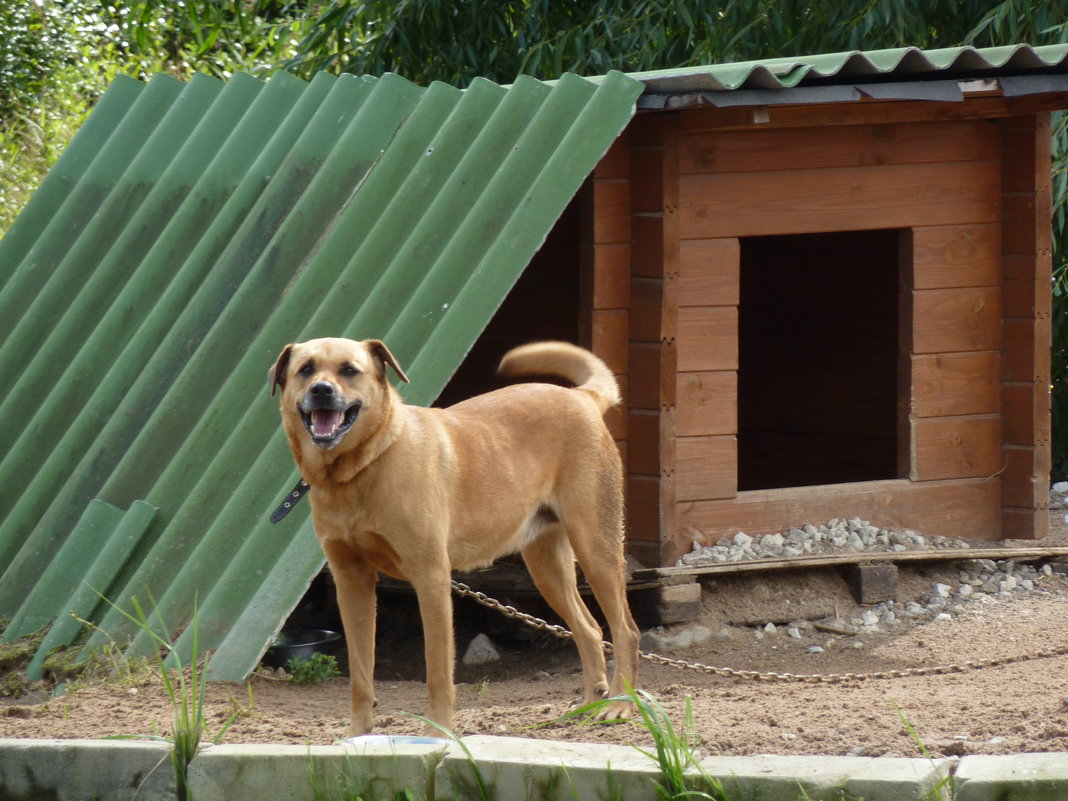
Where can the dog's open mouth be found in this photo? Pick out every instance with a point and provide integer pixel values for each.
(328, 426)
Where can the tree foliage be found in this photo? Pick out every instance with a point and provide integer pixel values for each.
(455, 42)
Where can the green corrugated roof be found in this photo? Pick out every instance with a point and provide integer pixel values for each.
(189, 232)
(904, 63)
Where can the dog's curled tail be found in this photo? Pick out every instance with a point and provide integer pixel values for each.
(566, 361)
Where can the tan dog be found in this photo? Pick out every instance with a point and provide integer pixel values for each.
(417, 493)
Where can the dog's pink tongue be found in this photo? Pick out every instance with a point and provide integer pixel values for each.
(325, 422)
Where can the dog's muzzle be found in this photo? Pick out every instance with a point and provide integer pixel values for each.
(326, 414)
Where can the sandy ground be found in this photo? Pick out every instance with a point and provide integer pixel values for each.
(1013, 708)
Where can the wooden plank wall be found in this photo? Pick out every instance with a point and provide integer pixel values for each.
(651, 350)
(940, 180)
(606, 293)
(1025, 376)
(670, 204)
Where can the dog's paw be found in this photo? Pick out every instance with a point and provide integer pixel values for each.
(589, 704)
(615, 710)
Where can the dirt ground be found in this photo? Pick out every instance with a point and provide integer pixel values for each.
(1014, 708)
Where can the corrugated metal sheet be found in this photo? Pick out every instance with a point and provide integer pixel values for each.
(900, 64)
(189, 232)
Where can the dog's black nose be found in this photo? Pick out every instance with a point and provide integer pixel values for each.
(322, 389)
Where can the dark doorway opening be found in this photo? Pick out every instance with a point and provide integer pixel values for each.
(543, 304)
(818, 359)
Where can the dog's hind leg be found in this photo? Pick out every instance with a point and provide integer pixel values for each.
(551, 563)
(600, 555)
(355, 580)
(606, 579)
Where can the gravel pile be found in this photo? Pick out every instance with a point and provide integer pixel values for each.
(980, 581)
(837, 536)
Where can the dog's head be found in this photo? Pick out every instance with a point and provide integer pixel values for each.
(328, 384)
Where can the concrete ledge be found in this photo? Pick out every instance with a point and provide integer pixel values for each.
(297, 772)
(106, 770)
(1013, 777)
(545, 770)
(788, 778)
(512, 768)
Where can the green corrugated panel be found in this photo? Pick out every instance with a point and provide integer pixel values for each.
(903, 63)
(161, 313)
(203, 227)
(63, 573)
(80, 154)
(100, 561)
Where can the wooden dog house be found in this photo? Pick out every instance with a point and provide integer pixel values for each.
(817, 307)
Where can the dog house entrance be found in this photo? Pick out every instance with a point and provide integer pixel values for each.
(818, 359)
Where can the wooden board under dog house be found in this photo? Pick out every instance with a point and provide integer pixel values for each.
(816, 310)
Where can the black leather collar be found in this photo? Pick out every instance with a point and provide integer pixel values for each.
(287, 505)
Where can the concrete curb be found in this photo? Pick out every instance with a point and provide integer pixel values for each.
(297, 772)
(1013, 777)
(782, 778)
(511, 768)
(106, 770)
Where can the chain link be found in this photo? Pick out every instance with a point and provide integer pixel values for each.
(756, 675)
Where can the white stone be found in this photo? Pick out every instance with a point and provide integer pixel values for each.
(772, 543)
(481, 651)
(652, 640)
(683, 639)
(701, 635)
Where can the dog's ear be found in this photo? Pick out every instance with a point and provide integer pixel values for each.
(382, 357)
(276, 376)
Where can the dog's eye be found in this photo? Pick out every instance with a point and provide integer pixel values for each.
(307, 369)
(348, 371)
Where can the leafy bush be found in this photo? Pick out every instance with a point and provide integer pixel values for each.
(316, 669)
(34, 39)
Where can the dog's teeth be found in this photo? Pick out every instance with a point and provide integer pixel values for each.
(325, 422)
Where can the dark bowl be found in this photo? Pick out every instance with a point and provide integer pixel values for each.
(300, 643)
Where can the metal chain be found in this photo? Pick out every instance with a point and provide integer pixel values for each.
(756, 675)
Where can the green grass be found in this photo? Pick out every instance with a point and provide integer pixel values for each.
(948, 784)
(186, 690)
(681, 773)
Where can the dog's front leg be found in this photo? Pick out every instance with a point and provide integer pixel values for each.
(434, 592)
(355, 580)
